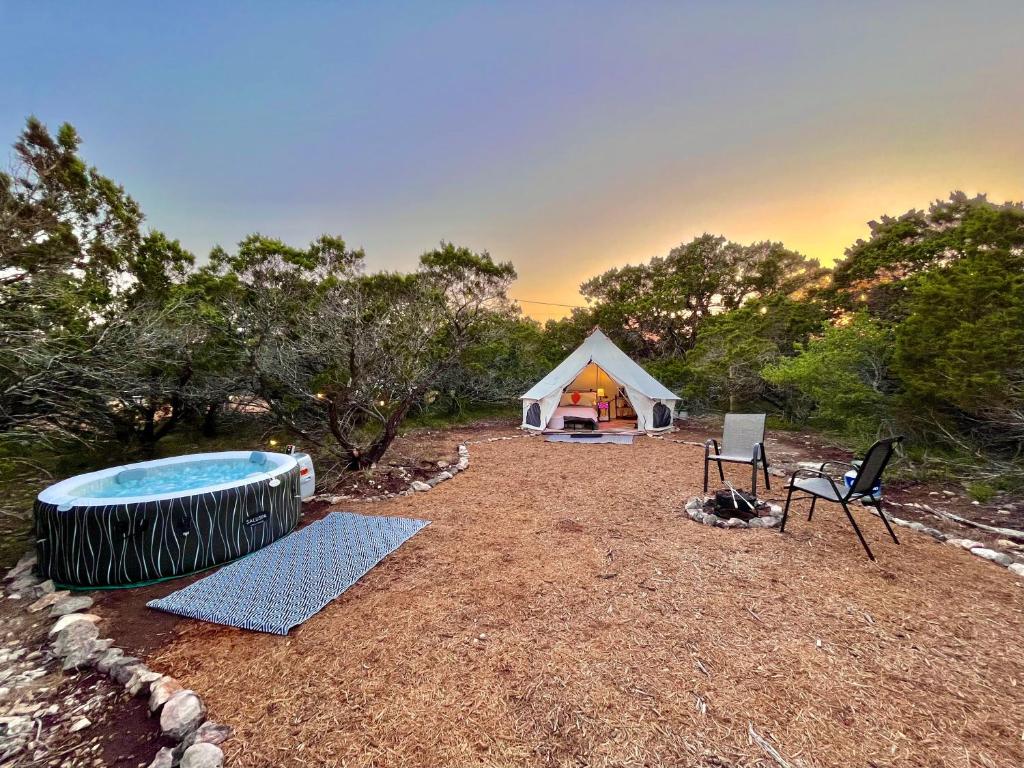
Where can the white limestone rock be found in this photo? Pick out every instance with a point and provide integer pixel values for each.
(140, 680)
(160, 691)
(991, 554)
(213, 733)
(969, 543)
(182, 714)
(75, 644)
(48, 600)
(107, 660)
(24, 566)
(68, 619)
(202, 755)
(419, 486)
(122, 671)
(165, 758)
(71, 604)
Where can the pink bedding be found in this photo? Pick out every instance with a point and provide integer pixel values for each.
(579, 411)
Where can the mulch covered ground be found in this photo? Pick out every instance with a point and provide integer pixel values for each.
(562, 611)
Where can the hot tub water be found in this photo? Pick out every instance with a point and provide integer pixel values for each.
(173, 478)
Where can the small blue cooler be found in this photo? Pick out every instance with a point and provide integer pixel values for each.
(850, 476)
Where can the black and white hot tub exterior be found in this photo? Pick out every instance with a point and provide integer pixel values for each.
(107, 542)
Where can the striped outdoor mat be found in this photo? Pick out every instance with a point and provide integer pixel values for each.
(287, 582)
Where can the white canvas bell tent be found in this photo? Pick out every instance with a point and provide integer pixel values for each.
(597, 360)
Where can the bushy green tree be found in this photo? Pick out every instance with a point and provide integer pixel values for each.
(724, 369)
(656, 309)
(877, 273)
(91, 344)
(841, 380)
(68, 234)
(508, 360)
(960, 349)
(340, 357)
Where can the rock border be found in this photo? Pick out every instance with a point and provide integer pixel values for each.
(448, 471)
(976, 548)
(76, 644)
(451, 470)
(695, 511)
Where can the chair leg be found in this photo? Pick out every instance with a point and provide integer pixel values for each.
(753, 481)
(856, 529)
(721, 472)
(705, 475)
(814, 500)
(767, 483)
(885, 520)
(785, 512)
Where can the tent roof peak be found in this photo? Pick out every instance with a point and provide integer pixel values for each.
(597, 348)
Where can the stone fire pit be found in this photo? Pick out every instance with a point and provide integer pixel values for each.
(727, 509)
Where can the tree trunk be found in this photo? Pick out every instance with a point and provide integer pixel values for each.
(210, 416)
(146, 437)
(366, 458)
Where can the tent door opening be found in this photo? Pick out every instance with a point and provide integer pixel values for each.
(595, 389)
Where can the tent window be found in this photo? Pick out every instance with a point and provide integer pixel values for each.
(662, 415)
(533, 415)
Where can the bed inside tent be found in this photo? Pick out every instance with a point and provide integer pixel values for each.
(598, 388)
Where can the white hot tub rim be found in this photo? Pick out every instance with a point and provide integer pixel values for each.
(61, 494)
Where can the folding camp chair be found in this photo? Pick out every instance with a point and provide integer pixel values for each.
(865, 488)
(742, 443)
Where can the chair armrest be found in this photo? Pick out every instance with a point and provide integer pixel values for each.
(840, 463)
(708, 445)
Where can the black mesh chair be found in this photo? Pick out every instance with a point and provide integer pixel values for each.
(819, 485)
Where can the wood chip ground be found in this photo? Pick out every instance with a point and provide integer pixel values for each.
(561, 610)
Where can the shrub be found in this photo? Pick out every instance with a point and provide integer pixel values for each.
(840, 381)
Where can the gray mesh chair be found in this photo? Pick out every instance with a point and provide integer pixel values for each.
(742, 443)
(865, 486)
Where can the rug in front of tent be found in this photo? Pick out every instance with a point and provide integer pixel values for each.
(284, 584)
(583, 437)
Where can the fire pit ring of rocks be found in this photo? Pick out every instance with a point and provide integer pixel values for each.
(733, 509)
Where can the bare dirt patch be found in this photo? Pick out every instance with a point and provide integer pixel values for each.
(416, 455)
(561, 610)
(114, 728)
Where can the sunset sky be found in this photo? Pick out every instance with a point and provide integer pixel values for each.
(565, 137)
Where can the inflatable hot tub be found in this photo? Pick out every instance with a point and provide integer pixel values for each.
(159, 519)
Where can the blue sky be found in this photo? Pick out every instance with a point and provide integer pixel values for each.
(566, 137)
